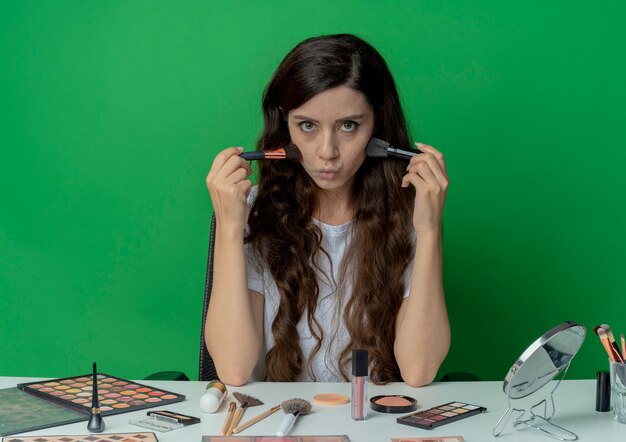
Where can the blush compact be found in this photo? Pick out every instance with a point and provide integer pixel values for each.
(393, 403)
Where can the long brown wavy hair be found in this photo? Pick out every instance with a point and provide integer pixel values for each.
(280, 222)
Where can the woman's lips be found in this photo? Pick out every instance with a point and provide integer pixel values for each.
(327, 174)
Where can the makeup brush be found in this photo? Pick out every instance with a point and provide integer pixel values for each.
(245, 401)
(377, 148)
(618, 354)
(229, 417)
(604, 338)
(255, 419)
(96, 423)
(293, 408)
(289, 152)
(621, 335)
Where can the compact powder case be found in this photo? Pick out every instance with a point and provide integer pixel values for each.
(393, 403)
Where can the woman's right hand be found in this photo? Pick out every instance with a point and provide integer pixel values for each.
(229, 187)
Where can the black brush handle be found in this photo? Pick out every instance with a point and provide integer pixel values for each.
(253, 155)
(402, 152)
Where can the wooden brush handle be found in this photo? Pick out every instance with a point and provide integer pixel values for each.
(235, 420)
(229, 416)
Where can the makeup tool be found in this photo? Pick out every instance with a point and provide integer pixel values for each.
(96, 423)
(377, 148)
(117, 395)
(621, 337)
(359, 384)
(107, 437)
(441, 415)
(21, 412)
(245, 401)
(316, 438)
(256, 419)
(213, 396)
(393, 403)
(611, 348)
(330, 399)
(546, 360)
(609, 333)
(164, 420)
(289, 152)
(603, 391)
(293, 408)
(229, 417)
(430, 439)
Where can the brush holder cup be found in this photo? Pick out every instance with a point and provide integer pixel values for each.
(544, 360)
(618, 390)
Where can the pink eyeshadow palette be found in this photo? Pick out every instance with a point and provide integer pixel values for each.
(441, 415)
(341, 438)
(116, 395)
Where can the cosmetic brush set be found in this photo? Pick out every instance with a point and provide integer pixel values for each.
(610, 345)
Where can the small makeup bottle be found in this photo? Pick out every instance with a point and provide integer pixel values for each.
(213, 396)
(359, 384)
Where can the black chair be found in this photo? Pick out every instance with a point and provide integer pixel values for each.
(206, 371)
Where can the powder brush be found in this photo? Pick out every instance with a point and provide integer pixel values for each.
(289, 152)
(377, 148)
(245, 401)
(293, 408)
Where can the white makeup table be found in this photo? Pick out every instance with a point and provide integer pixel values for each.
(575, 410)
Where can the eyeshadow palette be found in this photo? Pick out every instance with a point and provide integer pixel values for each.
(20, 412)
(116, 395)
(111, 437)
(342, 438)
(441, 415)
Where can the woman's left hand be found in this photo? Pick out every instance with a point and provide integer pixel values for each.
(427, 172)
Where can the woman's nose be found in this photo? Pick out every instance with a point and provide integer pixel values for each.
(328, 148)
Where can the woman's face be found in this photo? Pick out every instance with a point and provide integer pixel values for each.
(332, 130)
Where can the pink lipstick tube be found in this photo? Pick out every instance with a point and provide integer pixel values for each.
(359, 384)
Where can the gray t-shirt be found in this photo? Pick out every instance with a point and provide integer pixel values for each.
(335, 240)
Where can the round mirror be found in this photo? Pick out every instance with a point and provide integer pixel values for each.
(544, 359)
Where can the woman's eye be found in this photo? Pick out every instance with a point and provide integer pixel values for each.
(307, 126)
(349, 126)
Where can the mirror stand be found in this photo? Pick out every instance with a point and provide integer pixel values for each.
(541, 421)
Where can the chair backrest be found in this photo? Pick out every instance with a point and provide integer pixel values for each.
(207, 370)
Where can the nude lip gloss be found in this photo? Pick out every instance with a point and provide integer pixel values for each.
(359, 384)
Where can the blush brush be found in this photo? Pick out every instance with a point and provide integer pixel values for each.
(289, 152)
(293, 408)
(377, 148)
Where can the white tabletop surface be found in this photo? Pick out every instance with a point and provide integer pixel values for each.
(575, 410)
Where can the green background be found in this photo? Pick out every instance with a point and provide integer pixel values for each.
(112, 111)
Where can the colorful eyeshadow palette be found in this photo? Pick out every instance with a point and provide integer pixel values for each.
(441, 415)
(111, 437)
(21, 412)
(342, 438)
(116, 395)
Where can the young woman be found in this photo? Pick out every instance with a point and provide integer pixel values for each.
(338, 251)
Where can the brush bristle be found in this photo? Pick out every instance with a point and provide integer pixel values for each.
(247, 399)
(296, 406)
(376, 148)
(292, 152)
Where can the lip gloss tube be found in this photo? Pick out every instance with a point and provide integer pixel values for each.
(359, 384)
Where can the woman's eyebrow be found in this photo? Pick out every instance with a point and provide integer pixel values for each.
(349, 117)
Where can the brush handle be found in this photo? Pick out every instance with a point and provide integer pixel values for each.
(253, 155)
(229, 416)
(286, 424)
(254, 420)
(402, 152)
(235, 420)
